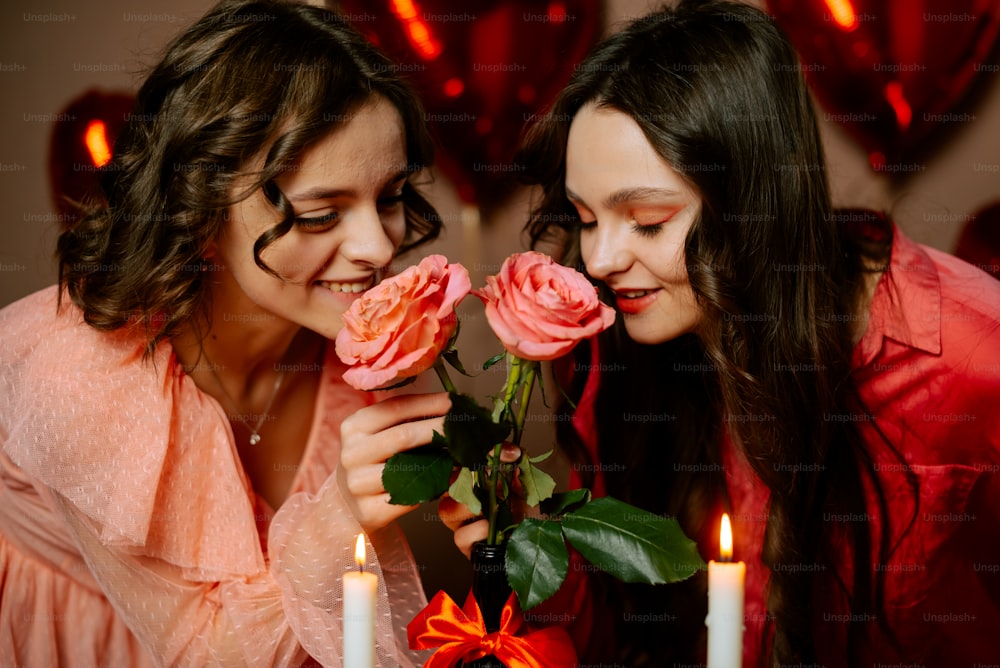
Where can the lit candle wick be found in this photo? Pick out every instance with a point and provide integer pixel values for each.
(359, 552)
(726, 540)
(360, 595)
(725, 617)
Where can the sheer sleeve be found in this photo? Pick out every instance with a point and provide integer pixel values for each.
(273, 618)
(312, 546)
(145, 485)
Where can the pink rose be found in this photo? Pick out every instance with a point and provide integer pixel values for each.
(398, 328)
(539, 309)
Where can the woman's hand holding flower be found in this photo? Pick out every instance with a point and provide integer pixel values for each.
(468, 528)
(393, 333)
(539, 310)
(374, 434)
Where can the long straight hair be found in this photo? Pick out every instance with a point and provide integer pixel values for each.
(248, 76)
(717, 90)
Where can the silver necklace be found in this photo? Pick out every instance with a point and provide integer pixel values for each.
(254, 429)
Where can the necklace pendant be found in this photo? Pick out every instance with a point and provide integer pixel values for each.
(254, 438)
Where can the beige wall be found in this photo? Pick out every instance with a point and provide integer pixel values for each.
(58, 49)
(52, 50)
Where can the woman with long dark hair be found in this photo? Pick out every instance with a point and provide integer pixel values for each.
(829, 383)
(184, 471)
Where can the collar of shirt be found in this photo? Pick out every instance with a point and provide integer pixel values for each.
(906, 306)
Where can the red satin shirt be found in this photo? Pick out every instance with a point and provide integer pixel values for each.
(928, 369)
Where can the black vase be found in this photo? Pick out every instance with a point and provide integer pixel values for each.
(491, 589)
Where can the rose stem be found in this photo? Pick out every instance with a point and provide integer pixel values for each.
(443, 376)
(513, 375)
(522, 411)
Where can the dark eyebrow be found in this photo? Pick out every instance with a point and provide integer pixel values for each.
(636, 194)
(322, 192)
(318, 193)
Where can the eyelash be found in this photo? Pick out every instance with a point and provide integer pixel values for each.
(648, 230)
(319, 221)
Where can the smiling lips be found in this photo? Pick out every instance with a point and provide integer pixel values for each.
(348, 287)
(634, 301)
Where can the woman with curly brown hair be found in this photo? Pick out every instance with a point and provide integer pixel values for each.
(829, 383)
(183, 470)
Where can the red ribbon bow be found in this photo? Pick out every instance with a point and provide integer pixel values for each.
(460, 633)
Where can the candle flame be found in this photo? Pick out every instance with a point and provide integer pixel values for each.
(726, 539)
(359, 551)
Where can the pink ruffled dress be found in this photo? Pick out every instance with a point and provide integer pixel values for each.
(130, 534)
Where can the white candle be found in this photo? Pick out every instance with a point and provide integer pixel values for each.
(360, 590)
(725, 604)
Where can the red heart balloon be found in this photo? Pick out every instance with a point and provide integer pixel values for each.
(979, 243)
(82, 138)
(892, 72)
(483, 71)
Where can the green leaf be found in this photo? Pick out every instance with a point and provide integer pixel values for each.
(632, 544)
(417, 475)
(451, 357)
(537, 561)
(542, 457)
(565, 502)
(471, 432)
(493, 360)
(538, 485)
(463, 490)
(438, 440)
